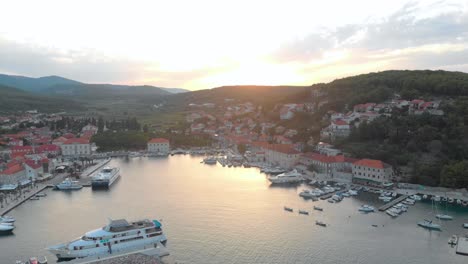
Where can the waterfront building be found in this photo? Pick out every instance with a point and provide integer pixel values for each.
(371, 172)
(160, 145)
(75, 147)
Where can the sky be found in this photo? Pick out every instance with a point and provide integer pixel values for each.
(208, 43)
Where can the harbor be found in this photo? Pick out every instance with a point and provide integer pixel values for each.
(191, 198)
(392, 203)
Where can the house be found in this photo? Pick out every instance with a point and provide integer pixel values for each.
(283, 155)
(336, 167)
(76, 147)
(36, 168)
(337, 129)
(286, 113)
(282, 139)
(49, 149)
(372, 172)
(13, 174)
(158, 145)
(59, 141)
(327, 149)
(89, 129)
(197, 128)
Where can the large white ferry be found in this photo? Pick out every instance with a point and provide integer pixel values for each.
(105, 178)
(118, 235)
(288, 177)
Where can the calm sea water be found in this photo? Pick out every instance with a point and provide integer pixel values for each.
(213, 214)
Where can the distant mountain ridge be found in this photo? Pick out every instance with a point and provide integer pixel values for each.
(59, 85)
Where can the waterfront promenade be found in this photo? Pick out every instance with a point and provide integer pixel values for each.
(39, 187)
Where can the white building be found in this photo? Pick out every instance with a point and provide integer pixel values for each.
(89, 129)
(372, 172)
(283, 155)
(159, 145)
(76, 147)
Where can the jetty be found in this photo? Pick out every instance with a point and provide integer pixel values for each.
(392, 203)
(462, 246)
(89, 171)
(158, 255)
(329, 195)
(23, 199)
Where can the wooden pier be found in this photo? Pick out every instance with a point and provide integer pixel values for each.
(392, 203)
(23, 199)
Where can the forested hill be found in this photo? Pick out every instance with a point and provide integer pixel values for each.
(12, 99)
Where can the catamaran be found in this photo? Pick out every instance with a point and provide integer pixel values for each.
(105, 178)
(117, 235)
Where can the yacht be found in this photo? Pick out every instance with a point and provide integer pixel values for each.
(68, 184)
(429, 225)
(106, 177)
(444, 217)
(117, 235)
(311, 193)
(7, 219)
(6, 228)
(288, 177)
(366, 208)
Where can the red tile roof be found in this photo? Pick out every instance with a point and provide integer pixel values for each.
(33, 164)
(48, 148)
(158, 140)
(76, 141)
(25, 149)
(68, 135)
(12, 169)
(377, 164)
(340, 122)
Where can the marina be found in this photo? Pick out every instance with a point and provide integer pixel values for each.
(392, 203)
(191, 198)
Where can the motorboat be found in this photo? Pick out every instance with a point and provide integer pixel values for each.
(6, 228)
(34, 198)
(436, 198)
(311, 193)
(303, 212)
(337, 198)
(7, 219)
(105, 178)
(366, 208)
(320, 223)
(453, 240)
(416, 197)
(353, 192)
(318, 208)
(117, 235)
(69, 184)
(465, 225)
(210, 160)
(33, 260)
(288, 177)
(391, 212)
(429, 225)
(444, 217)
(331, 200)
(450, 200)
(289, 209)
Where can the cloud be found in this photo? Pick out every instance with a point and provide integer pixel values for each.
(405, 39)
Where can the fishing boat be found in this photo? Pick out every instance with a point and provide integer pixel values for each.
(429, 225)
(320, 223)
(318, 208)
(289, 209)
(303, 212)
(117, 235)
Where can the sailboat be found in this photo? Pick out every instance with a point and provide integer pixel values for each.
(428, 224)
(444, 216)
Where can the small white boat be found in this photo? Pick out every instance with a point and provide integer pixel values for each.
(345, 194)
(353, 192)
(465, 225)
(68, 184)
(429, 225)
(6, 228)
(366, 208)
(424, 197)
(331, 200)
(321, 209)
(459, 201)
(453, 240)
(288, 177)
(391, 212)
(289, 209)
(7, 219)
(320, 223)
(303, 212)
(210, 160)
(416, 197)
(444, 217)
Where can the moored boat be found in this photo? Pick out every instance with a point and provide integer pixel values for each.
(453, 240)
(288, 177)
(366, 208)
(105, 178)
(117, 235)
(318, 208)
(444, 217)
(429, 225)
(320, 223)
(289, 209)
(303, 212)
(6, 228)
(7, 219)
(69, 184)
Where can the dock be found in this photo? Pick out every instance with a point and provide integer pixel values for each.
(157, 255)
(89, 171)
(392, 203)
(329, 195)
(462, 246)
(23, 199)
